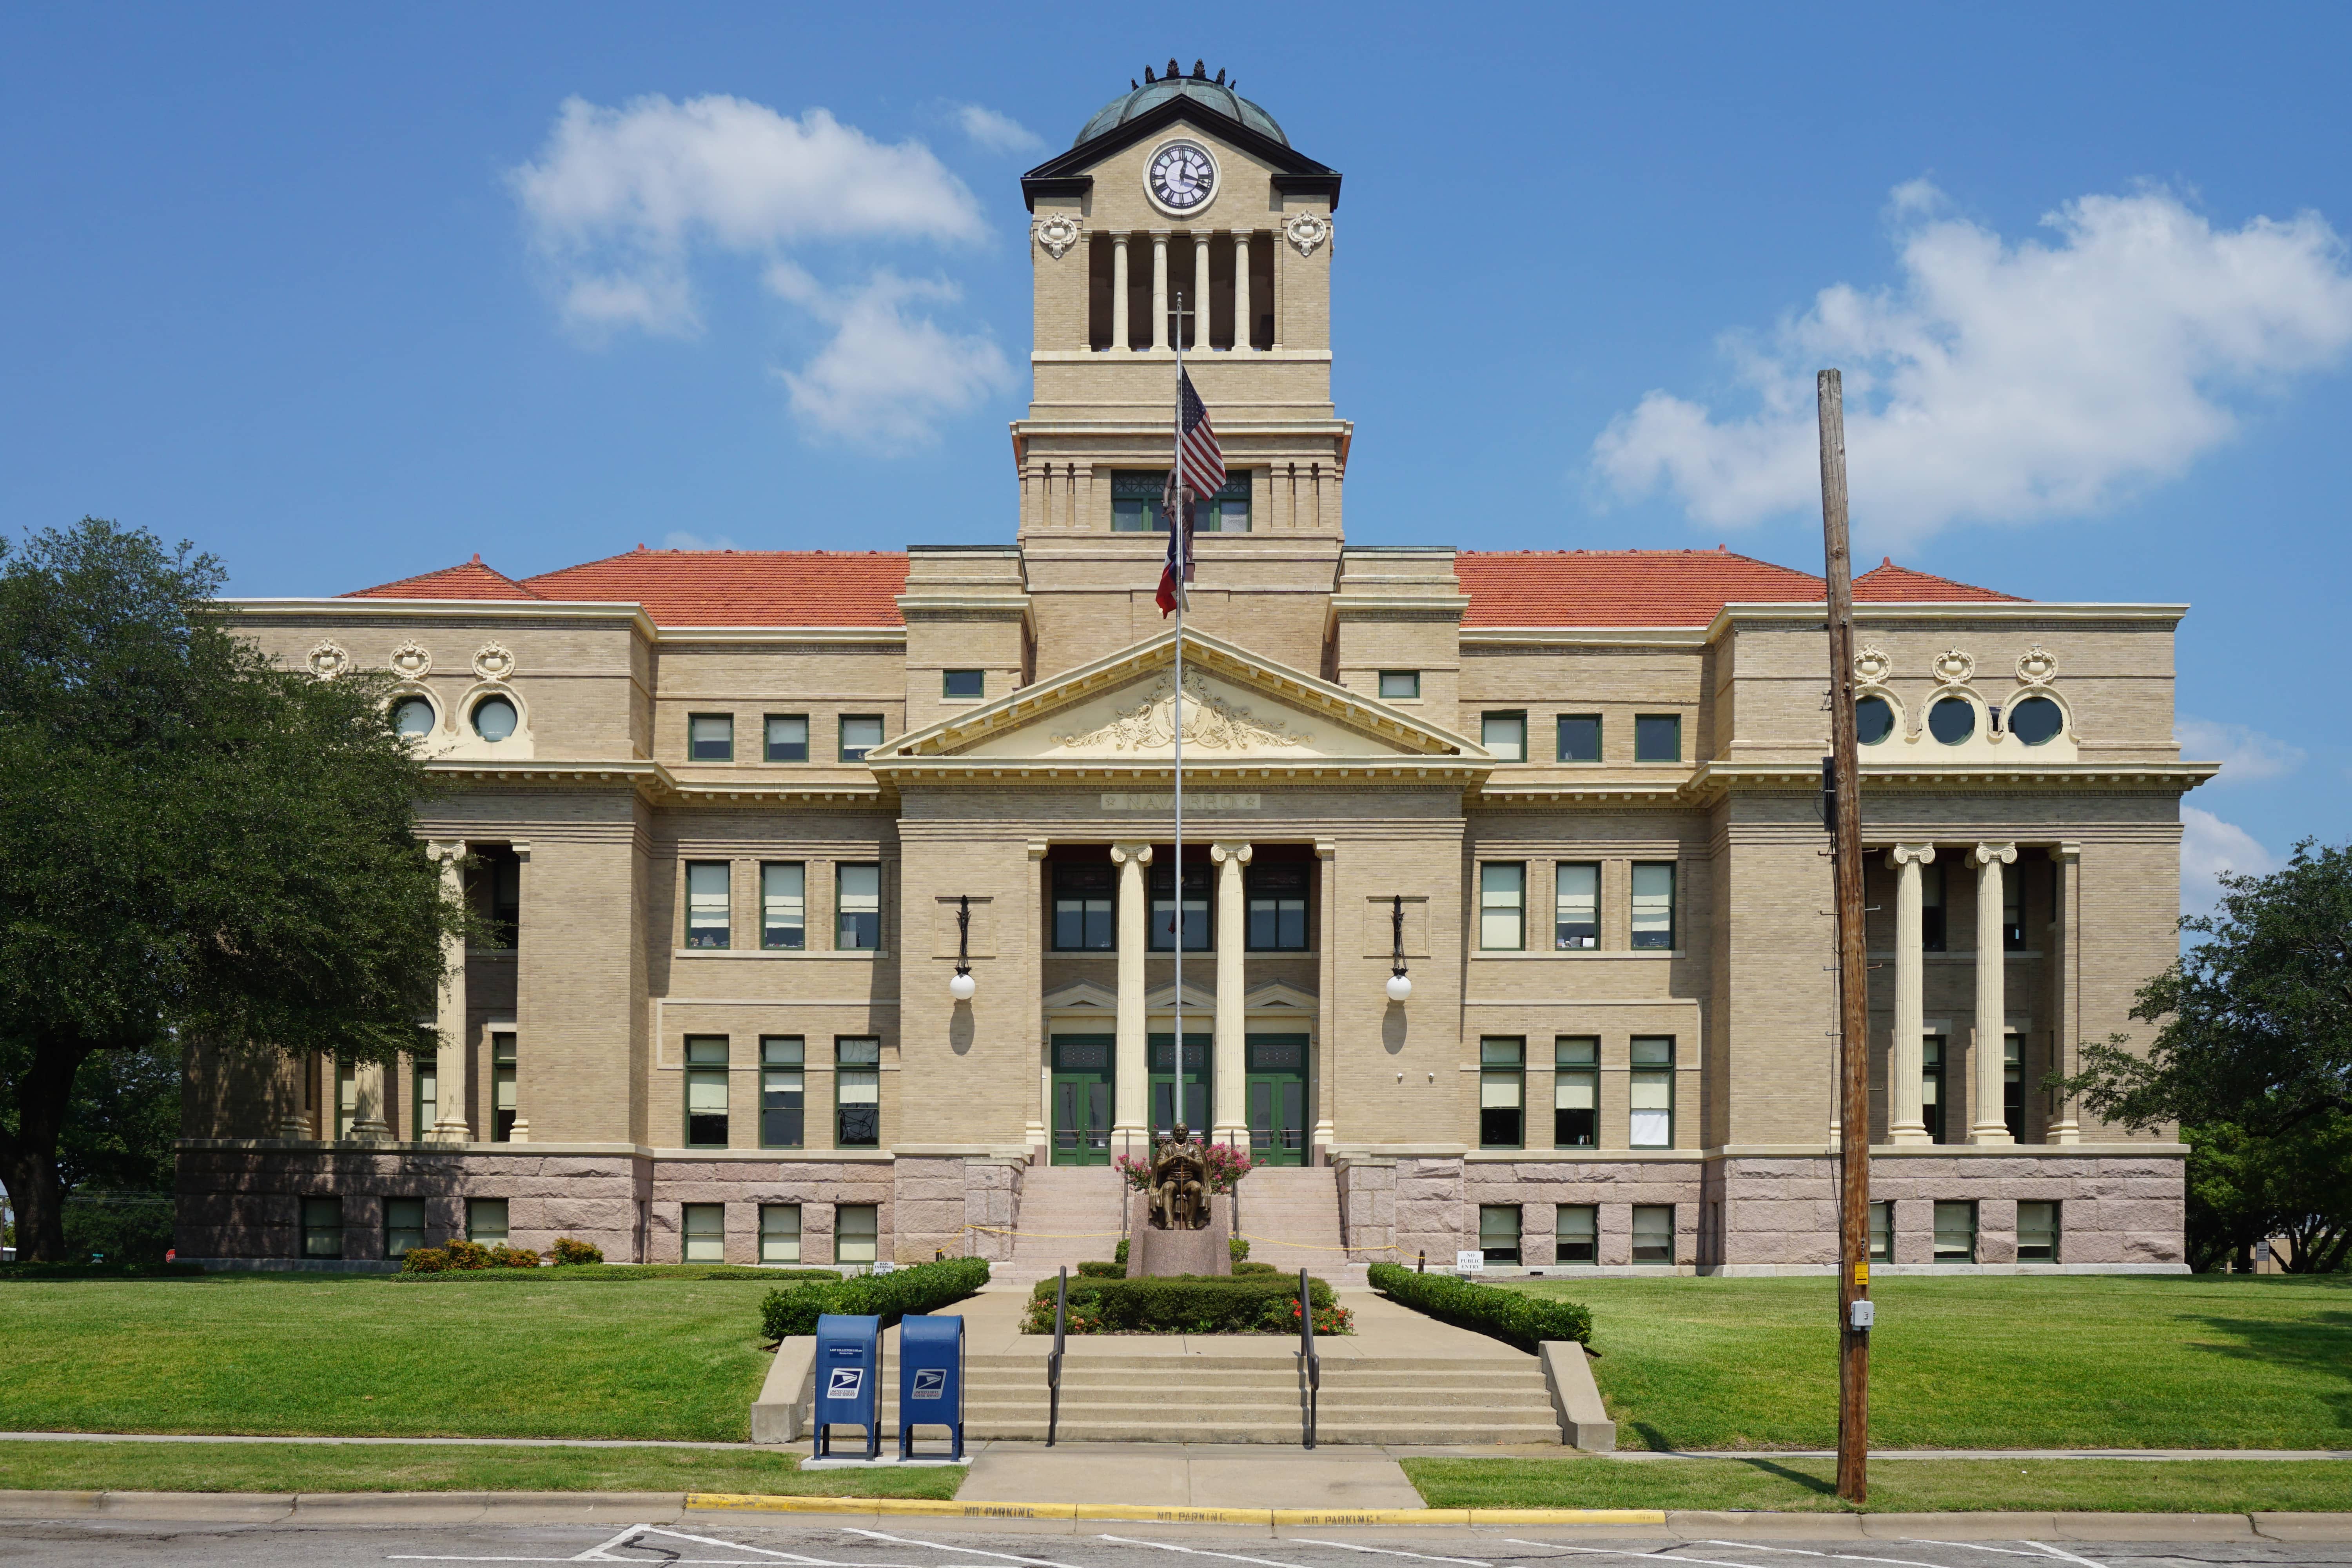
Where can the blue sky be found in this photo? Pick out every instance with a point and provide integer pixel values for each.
(282, 280)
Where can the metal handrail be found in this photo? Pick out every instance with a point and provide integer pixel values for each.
(1053, 1362)
(1307, 1349)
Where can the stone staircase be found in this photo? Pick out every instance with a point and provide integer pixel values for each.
(1290, 1214)
(1070, 1215)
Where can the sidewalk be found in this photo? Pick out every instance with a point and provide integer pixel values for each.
(1190, 1475)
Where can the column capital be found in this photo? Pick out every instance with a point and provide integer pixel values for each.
(1221, 853)
(1039, 848)
(1121, 854)
(1900, 855)
(1988, 854)
(521, 848)
(445, 848)
(2068, 850)
(1120, 240)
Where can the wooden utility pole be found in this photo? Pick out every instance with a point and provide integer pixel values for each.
(1853, 996)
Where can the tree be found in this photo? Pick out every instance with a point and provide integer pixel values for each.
(2252, 1057)
(194, 846)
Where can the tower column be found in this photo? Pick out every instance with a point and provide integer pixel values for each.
(1229, 1117)
(1160, 289)
(1986, 1122)
(1130, 1071)
(1241, 291)
(1906, 1062)
(1201, 290)
(449, 1124)
(1119, 291)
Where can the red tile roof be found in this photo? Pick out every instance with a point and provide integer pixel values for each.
(469, 580)
(741, 587)
(1887, 584)
(1660, 587)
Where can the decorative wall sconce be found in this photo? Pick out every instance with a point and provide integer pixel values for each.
(1399, 983)
(962, 986)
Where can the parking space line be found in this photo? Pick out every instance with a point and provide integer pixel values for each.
(1972, 1546)
(943, 1546)
(1196, 1550)
(2060, 1552)
(1644, 1556)
(1842, 1556)
(1390, 1552)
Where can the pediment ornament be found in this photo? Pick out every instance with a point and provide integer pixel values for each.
(1953, 667)
(1211, 723)
(411, 662)
(2036, 665)
(328, 660)
(1056, 234)
(495, 662)
(1307, 230)
(1872, 667)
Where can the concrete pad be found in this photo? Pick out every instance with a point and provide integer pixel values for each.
(1078, 1474)
(2303, 1526)
(389, 1508)
(1175, 1475)
(2156, 1526)
(1303, 1480)
(208, 1508)
(50, 1505)
(1987, 1526)
(584, 1508)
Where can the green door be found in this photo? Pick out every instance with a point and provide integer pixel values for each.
(1277, 1099)
(1193, 1107)
(1081, 1098)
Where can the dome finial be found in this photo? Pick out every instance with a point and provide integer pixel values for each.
(1174, 71)
(1130, 84)
(1199, 70)
(1221, 75)
(1147, 75)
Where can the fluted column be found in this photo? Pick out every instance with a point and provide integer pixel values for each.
(1986, 1124)
(2067, 1128)
(449, 1124)
(1160, 290)
(1230, 1116)
(1119, 291)
(1241, 292)
(1906, 1062)
(1132, 1074)
(1200, 301)
(368, 1125)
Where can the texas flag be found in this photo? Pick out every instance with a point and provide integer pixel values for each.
(1199, 471)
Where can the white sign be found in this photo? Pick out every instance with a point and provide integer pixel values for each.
(930, 1382)
(844, 1383)
(1470, 1262)
(884, 1268)
(1168, 803)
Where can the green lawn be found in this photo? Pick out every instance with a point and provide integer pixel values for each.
(376, 1356)
(291, 1467)
(1897, 1486)
(2095, 1360)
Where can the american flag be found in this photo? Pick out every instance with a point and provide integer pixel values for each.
(1199, 471)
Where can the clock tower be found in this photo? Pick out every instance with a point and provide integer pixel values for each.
(1180, 209)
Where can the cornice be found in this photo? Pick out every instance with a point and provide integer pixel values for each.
(1594, 637)
(1715, 779)
(446, 609)
(1949, 610)
(998, 773)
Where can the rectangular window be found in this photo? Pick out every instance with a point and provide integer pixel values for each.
(783, 906)
(782, 1091)
(2012, 910)
(425, 1091)
(1576, 1093)
(1498, 1232)
(1657, 737)
(1882, 1232)
(856, 1233)
(857, 923)
(1931, 1087)
(505, 873)
(706, 1092)
(708, 894)
(857, 1094)
(1654, 905)
(711, 737)
(1198, 877)
(2013, 1085)
(322, 1228)
(1654, 1233)
(1086, 905)
(860, 734)
(1931, 908)
(1135, 502)
(1956, 1233)
(347, 1099)
(1579, 737)
(502, 1086)
(1227, 512)
(2037, 1232)
(1506, 735)
(1650, 1093)
(1576, 905)
(1502, 926)
(1577, 1238)
(1502, 1093)
(1277, 906)
(1400, 685)
(788, 737)
(780, 1233)
(404, 1226)
(485, 1221)
(964, 685)
(706, 1232)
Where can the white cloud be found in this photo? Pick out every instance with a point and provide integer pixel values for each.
(2210, 846)
(679, 539)
(996, 133)
(2244, 753)
(620, 199)
(2001, 382)
(889, 371)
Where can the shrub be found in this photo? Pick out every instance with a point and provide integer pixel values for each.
(1239, 1248)
(1514, 1317)
(1119, 1254)
(567, 1250)
(425, 1261)
(1102, 1270)
(1254, 1268)
(1224, 1164)
(925, 1288)
(1177, 1304)
(505, 1257)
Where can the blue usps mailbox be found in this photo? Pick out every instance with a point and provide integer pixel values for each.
(931, 1379)
(848, 1379)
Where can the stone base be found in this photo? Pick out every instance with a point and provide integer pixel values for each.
(1208, 1250)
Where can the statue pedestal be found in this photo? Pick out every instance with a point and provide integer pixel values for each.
(1207, 1250)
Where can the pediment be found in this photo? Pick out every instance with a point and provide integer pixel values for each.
(1237, 710)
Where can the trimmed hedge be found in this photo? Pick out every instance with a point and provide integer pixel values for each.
(570, 1252)
(1514, 1317)
(1102, 1270)
(924, 1288)
(1175, 1304)
(605, 1273)
(462, 1255)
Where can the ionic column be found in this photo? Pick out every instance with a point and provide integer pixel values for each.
(1200, 292)
(2066, 1128)
(368, 1125)
(1985, 1123)
(1131, 1079)
(527, 891)
(1119, 291)
(1229, 1116)
(449, 1016)
(1241, 292)
(1160, 290)
(1906, 1062)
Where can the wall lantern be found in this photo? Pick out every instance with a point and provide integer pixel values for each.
(963, 986)
(1399, 983)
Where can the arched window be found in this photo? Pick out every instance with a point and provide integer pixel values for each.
(494, 719)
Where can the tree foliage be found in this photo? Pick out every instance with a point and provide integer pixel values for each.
(195, 844)
(2243, 1187)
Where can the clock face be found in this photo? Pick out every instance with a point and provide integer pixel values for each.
(1181, 177)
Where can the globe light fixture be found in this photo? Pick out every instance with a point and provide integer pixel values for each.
(962, 987)
(1399, 983)
(1399, 986)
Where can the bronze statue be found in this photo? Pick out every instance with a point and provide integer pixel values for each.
(1180, 1182)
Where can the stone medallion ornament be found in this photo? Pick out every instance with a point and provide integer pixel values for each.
(1953, 666)
(1872, 666)
(411, 662)
(1056, 234)
(1307, 230)
(2036, 665)
(328, 660)
(494, 662)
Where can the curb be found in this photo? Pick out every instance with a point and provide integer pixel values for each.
(720, 1502)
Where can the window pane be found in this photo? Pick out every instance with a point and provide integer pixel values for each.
(1400, 685)
(1575, 920)
(963, 683)
(1882, 1232)
(1650, 1093)
(502, 1089)
(787, 738)
(1500, 890)
(858, 1092)
(1952, 720)
(1956, 1233)
(1506, 735)
(494, 719)
(780, 1233)
(404, 1226)
(2037, 1232)
(1658, 738)
(486, 1220)
(783, 905)
(706, 1233)
(1578, 1233)
(322, 1228)
(2036, 721)
(1579, 737)
(857, 1232)
(1498, 1232)
(1653, 906)
(860, 734)
(711, 737)
(706, 903)
(412, 717)
(1874, 720)
(783, 1093)
(1654, 1233)
(859, 925)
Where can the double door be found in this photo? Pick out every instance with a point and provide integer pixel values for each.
(1181, 1090)
(1277, 1099)
(1083, 1080)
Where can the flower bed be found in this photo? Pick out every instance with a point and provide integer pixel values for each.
(1186, 1304)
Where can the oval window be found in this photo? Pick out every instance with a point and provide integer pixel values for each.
(1952, 720)
(494, 719)
(2036, 721)
(1874, 720)
(412, 717)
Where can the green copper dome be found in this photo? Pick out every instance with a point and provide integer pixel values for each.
(1214, 95)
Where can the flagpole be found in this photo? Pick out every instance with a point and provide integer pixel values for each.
(1176, 532)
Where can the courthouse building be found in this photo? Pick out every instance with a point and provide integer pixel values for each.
(740, 817)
